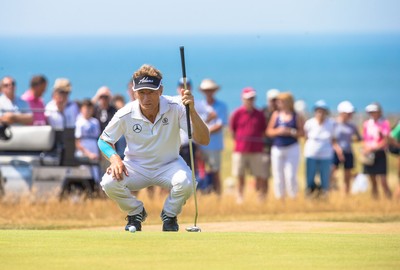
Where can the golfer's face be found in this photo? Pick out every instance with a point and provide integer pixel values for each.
(148, 99)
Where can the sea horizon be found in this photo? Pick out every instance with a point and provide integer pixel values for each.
(362, 68)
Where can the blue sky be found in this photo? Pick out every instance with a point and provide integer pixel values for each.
(124, 17)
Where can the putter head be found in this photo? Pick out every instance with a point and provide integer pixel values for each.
(193, 229)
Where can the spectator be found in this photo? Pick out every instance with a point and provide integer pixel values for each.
(33, 97)
(13, 110)
(344, 133)
(271, 107)
(285, 127)
(375, 135)
(215, 114)
(248, 128)
(318, 149)
(87, 133)
(103, 110)
(395, 141)
(60, 112)
(118, 101)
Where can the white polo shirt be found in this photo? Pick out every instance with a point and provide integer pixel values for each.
(149, 146)
(319, 138)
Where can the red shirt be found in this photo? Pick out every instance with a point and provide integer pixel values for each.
(248, 128)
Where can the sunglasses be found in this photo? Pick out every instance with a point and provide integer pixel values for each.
(66, 93)
(8, 84)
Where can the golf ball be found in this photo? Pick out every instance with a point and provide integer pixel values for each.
(132, 229)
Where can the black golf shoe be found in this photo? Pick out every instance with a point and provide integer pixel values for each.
(170, 224)
(136, 220)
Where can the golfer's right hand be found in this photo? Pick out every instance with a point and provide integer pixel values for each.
(117, 168)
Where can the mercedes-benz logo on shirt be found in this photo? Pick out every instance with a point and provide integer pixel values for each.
(137, 128)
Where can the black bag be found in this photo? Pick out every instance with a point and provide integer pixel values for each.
(394, 150)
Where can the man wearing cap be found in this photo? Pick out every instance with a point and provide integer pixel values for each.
(151, 126)
(217, 119)
(60, 112)
(13, 110)
(345, 133)
(248, 127)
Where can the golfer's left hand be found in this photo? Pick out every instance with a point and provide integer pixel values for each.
(187, 98)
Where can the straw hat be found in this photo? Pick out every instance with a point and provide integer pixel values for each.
(62, 84)
(208, 84)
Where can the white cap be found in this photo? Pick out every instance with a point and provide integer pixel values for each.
(373, 107)
(345, 107)
(272, 93)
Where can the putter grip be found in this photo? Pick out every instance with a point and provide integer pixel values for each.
(182, 49)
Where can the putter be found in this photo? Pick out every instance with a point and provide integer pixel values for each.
(194, 228)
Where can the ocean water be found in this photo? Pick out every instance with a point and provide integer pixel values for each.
(359, 68)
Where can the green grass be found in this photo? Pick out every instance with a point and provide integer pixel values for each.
(96, 249)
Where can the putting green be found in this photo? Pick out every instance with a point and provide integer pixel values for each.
(100, 249)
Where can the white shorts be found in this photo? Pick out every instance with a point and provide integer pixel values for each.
(175, 176)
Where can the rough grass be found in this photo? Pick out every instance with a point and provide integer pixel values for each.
(33, 213)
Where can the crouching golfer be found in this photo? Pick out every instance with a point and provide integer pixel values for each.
(150, 125)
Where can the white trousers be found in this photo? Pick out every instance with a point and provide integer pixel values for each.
(284, 164)
(175, 176)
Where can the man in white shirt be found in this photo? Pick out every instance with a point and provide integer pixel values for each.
(151, 126)
(60, 112)
(13, 110)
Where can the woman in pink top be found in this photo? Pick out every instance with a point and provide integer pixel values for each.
(375, 135)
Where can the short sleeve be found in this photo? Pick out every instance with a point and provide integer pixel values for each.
(113, 131)
(385, 129)
(78, 129)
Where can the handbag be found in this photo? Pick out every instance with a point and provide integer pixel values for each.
(367, 159)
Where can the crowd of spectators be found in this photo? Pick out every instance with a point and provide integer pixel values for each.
(266, 141)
